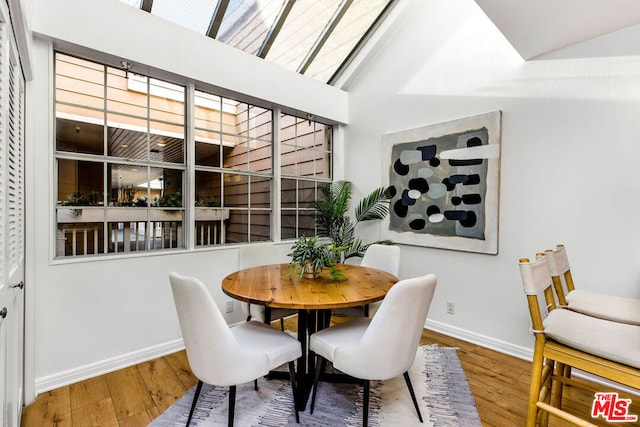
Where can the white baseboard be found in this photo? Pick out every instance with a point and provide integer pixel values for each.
(482, 340)
(109, 365)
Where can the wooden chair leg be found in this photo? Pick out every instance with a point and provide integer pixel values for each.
(365, 403)
(413, 395)
(195, 400)
(294, 388)
(534, 388)
(320, 365)
(232, 404)
(282, 324)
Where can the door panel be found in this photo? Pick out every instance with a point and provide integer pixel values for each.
(11, 228)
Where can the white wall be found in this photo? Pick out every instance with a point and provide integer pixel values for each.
(569, 159)
(85, 318)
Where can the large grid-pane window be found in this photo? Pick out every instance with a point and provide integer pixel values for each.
(123, 176)
(120, 159)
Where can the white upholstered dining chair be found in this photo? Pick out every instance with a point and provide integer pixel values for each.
(224, 356)
(254, 255)
(381, 347)
(382, 257)
(596, 304)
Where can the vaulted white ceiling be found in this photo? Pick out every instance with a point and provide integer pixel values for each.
(552, 29)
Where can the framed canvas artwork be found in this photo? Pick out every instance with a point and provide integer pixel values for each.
(445, 180)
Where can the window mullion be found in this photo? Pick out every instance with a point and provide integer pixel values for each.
(190, 173)
(276, 187)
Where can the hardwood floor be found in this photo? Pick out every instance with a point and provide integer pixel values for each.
(136, 395)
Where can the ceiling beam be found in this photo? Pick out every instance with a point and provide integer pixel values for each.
(324, 36)
(146, 5)
(216, 19)
(275, 28)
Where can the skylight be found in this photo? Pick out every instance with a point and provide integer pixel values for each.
(316, 38)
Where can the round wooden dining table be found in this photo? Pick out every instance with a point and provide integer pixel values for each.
(277, 286)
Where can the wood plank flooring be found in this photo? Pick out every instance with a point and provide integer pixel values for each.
(134, 396)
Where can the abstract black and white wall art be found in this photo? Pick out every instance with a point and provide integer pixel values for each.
(445, 184)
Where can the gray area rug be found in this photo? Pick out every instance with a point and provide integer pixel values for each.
(438, 380)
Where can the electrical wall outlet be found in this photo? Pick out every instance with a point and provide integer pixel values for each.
(451, 307)
(230, 306)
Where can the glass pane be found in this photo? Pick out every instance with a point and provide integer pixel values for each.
(80, 136)
(126, 93)
(127, 137)
(127, 143)
(128, 185)
(80, 183)
(209, 232)
(167, 233)
(208, 189)
(260, 192)
(254, 122)
(166, 143)
(237, 157)
(230, 109)
(237, 227)
(353, 25)
(288, 224)
(207, 154)
(79, 238)
(236, 191)
(79, 82)
(166, 101)
(192, 14)
(260, 156)
(247, 22)
(260, 226)
(305, 148)
(301, 29)
(208, 112)
(166, 187)
(288, 198)
(306, 223)
(306, 193)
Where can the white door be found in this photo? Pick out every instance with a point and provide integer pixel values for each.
(11, 228)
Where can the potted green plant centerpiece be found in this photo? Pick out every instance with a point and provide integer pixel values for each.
(309, 257)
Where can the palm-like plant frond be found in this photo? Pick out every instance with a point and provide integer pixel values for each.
(373, 206)
(334, 222)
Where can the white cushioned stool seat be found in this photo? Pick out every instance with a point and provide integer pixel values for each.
(617, 309)
(615, 341)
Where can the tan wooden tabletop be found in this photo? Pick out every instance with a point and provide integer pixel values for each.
(273, 286)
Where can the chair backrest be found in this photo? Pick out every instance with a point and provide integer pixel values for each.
(388, 346)
(254, 255)
(560, 271)
(536, 279)
(214, 354)
(383, 257)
